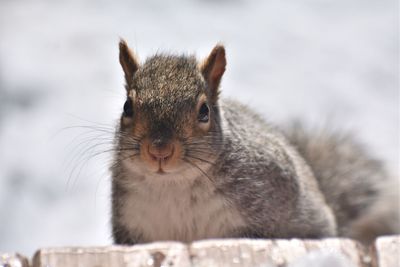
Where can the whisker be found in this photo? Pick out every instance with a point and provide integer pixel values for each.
(117, 162)
(198, 168)
(82, 149)
(93, 142)
(200, 159)
(204, 143)
(200, 151)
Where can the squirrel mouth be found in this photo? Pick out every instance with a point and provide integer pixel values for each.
(161, 159)
(160, 169)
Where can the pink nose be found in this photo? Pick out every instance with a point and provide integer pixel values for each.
(161, 153)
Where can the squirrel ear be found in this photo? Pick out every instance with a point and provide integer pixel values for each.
(213, 68)
(128, 61)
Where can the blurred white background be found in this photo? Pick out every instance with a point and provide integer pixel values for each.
(334, 61)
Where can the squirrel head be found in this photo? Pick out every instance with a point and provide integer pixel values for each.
(170, 119)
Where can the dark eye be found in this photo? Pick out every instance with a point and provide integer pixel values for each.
(203, 113)
(128, 108)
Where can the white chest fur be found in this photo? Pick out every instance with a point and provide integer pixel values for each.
(177, 209)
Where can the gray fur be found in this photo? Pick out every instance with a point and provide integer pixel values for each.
(267, 179)
(353, 182)
(242, 179)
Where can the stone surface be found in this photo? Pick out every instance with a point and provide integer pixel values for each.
(152, 255)
(330, 252)
(265, 253)
(387, 251)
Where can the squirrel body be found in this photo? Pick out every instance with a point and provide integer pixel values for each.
(261, 198)
(190, 166)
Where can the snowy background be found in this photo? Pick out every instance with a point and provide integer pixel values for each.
(320, 60)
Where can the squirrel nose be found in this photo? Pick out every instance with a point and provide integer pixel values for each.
(161, 152)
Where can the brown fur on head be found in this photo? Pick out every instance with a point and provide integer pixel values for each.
(171, 114)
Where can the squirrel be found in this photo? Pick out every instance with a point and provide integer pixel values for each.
(190, 165)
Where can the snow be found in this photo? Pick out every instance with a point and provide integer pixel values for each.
(322, 258)
(334, 61)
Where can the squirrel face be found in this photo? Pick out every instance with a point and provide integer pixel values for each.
(171, 119)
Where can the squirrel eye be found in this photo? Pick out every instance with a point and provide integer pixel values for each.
(128, 108)
(203, 113)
